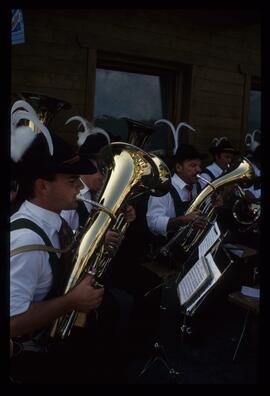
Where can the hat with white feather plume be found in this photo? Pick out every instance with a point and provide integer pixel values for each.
(175, 131)
(220, 145)
(91, 139)
(253, 140)
(36, 151)
(182, 152)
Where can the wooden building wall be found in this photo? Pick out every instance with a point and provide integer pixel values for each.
(59, 58)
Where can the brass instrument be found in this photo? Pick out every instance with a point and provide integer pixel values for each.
(138, 132)
(129, 172)
(45, 106)
(245, 213)
(188, 236)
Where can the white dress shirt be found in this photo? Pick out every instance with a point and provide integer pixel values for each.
(71, 216)
(30, 272)
(161, 209)
(213, 168)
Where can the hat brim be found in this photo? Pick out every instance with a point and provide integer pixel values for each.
(82, 167)
(37, 168)
(216, 150)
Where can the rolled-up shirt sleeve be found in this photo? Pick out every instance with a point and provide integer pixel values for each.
(30, 274)
(159, 211)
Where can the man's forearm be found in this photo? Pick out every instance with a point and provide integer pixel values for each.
(39, 315)
(175, 222)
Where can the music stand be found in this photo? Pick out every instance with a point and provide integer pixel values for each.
(159, 353)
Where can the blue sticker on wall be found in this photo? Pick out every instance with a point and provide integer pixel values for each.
(17, 28)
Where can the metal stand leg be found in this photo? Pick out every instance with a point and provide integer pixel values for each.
(159, 354)
(241, 336)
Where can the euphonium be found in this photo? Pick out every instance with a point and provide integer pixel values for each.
(130, 172)
(188, 236)
(246, 213)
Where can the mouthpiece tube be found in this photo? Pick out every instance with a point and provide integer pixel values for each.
(97, 205)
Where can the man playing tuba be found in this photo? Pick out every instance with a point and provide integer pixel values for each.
(48, 173)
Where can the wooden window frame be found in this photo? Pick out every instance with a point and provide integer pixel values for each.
(179, 79)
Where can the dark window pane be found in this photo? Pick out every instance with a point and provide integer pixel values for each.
(139, 97)
(131, 95)
(254, 116)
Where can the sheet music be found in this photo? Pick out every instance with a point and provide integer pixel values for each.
(193, 280)
(215, 275)
(209, 240)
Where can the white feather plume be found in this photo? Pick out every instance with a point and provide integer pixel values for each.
(89, 129)
(216, 141)
(251, 142)
(21, 104)
(175, 131)
(20, 141)
(23, 136)
(172, 129)
(179, 126)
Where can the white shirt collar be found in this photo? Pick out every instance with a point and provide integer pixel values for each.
(46, 216)
(179, 182)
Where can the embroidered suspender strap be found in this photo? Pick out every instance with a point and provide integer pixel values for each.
(179, 205)
(25, 223)
(82, 213)
(29, 248)
(209, 173)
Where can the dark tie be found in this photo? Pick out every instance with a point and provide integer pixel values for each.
(189, 188)
(82, 213)
(65, 265)
(65, 234)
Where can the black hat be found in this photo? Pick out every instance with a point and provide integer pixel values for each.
(188, 152)
(92, 145)
(36, 152)
(222, 145)
(91, 139)
(37, 160)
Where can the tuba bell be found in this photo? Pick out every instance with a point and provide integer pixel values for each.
(130, 172)
(45, 106)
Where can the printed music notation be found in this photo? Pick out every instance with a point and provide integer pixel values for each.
(192, 282)
(210, 239)
(197, 293)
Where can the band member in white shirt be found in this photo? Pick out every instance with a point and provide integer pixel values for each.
(165, 214)
(223, 154)
(48, 174)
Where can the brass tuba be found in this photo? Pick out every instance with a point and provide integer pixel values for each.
(241, 172)
(130, 172)
(45, 106)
